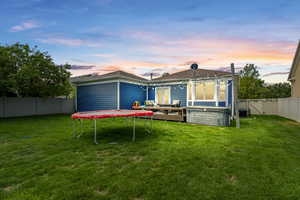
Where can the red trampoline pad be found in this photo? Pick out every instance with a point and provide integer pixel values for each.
(100, 114)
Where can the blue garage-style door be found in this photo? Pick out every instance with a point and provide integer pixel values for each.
(97, 97)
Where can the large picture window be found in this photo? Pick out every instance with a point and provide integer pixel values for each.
(162, 95)
(204, 90)
(222, 90)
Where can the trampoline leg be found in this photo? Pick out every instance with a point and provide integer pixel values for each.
(73, 128)
(81, 129)
(133, 135)
(151, 126)
(95, 132)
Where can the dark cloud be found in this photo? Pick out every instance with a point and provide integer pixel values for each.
(81, 67)
(275, 73)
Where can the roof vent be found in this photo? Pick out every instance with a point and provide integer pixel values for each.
(194, 66)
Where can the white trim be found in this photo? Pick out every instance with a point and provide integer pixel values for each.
(168, 83)
(97, 83)
(216, 93)
(111, 81)
(187, 93)
(147, 98)
(169, 94)
(226, 94)
(118, 95)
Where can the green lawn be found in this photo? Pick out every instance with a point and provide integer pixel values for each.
(40, 160)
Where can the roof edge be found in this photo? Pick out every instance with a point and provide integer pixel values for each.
(111, 78)
(295, 62)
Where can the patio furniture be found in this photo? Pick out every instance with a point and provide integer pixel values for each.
(101, 114)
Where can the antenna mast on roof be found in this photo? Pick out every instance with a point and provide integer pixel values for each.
(194, 67)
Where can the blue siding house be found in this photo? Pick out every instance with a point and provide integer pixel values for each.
(119, 89)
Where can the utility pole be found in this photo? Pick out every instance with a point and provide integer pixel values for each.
(235, 84)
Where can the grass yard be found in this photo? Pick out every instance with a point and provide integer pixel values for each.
(40, 160)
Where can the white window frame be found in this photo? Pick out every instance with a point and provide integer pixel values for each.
(169, 88)
(194, 91)
(216, 94)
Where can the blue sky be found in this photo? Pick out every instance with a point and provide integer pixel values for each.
(159, 36)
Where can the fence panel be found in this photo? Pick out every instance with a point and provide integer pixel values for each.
(285, 107)
(68, 106)
(15, 107)
(2, 107)
(48, 106)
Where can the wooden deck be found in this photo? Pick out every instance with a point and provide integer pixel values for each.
(166, 113)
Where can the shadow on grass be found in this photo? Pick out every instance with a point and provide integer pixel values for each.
(118, 134)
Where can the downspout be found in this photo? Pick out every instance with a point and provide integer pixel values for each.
(118, 94)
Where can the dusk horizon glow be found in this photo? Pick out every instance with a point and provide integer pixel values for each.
(100, 36)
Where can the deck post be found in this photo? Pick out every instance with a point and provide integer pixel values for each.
(133, 135)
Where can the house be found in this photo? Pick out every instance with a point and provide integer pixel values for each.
(294, 75)
(119, 89)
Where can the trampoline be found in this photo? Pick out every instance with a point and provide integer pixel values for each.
(101, 114)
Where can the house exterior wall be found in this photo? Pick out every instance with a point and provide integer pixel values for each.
(131, 92)
(121, 94)
(97, 97)
(296, 82)
(178, 92)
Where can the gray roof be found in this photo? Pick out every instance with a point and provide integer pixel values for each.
(182, 75)
(112, 75)
(190, 74)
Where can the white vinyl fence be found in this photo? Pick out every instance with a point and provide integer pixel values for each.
(15, 107)
(285, 107)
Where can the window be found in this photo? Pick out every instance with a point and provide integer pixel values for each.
(222, 91)
(162, 95)
(204, 90)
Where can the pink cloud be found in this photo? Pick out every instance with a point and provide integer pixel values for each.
(69, 41)
(171, 54)
(25, 26)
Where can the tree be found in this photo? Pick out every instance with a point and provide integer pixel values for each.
(251, 86)
(250, 70)
(28, 72)
(278, 90)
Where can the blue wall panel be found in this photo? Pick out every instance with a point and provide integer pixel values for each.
(208, 103)
(97, 97)
(178, 92)
(151, 93)
(229, 93)
(130, 93)
(222, 103)
(205, 103)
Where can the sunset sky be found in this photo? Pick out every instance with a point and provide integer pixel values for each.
(141, 36)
